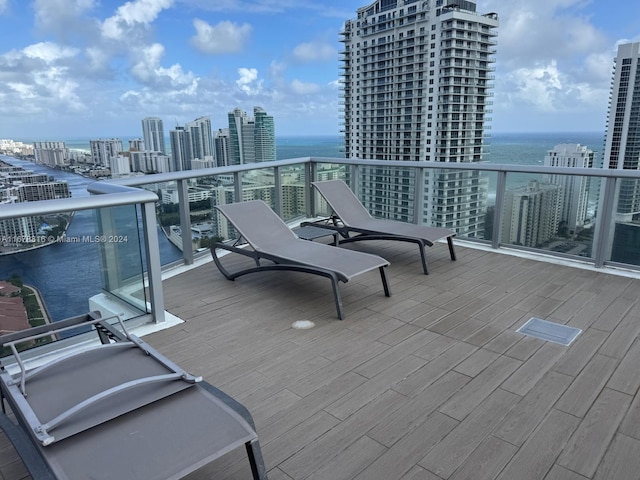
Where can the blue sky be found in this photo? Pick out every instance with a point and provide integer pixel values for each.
(72, 68)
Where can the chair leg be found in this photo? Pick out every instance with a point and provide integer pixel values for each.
(336, 296)
(255, 459)
(423, 258)
(451, 250)
(385, 283)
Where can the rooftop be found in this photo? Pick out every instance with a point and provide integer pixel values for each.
(432, 383)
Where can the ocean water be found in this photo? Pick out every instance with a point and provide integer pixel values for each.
(67, 274)
(530, 148)
(507, 148)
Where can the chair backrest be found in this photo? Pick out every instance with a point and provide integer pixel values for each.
(257, 223)
(343, 201)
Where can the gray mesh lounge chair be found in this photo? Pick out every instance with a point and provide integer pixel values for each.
(117, 410)
(352, 217)
(269, 238)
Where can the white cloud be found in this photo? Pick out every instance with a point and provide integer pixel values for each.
(4, 5)
(314, 51)
(60, 15)
(248, 81)
(225, 37)
(49, 52)
(24, 91)
(148, 70)
(302, 88)
(539, 86)
(131, 15)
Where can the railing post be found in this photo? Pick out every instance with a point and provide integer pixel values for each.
(154, 268)
(602, 237)
(501, 188)
(418, 201)
(237, 186)
(354, 181)
(309, 176)
(185, 221)
(277, 194)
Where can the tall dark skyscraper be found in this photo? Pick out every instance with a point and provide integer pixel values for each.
(622, 151)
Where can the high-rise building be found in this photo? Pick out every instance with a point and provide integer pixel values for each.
(136, 145)
(221, 142)
(531, 214)
(264, 136)
(153, 134)
(193, 141)
(150, 162)
(51, 153)
(201, 138)
(416, 82)
(102, 150)
(575, 200)
(251, 139)
(181, 150)
(622, 151)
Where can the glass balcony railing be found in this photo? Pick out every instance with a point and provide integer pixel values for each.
(123, 235)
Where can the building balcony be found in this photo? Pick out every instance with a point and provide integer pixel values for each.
(432, 381)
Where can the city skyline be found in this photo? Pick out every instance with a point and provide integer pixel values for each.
(94, 69)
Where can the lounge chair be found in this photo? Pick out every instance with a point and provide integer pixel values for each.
(269, 238)
(116, 409)
(352, 217)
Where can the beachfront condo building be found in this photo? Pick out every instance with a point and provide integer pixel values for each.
(191, 142)
(181, 151)
(153, 134)
(574, 213)
(221, 143)
(251, 139)
(102, 150)
(622, 150)
(201, 137)
(531, 214)
(416, 86)
(52, 154)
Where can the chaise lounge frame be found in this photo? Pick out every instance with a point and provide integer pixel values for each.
(350, 216)
(268, 238)
(121, 430)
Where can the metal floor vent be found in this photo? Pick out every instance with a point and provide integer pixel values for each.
(553, 332)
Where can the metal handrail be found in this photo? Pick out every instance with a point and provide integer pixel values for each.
(128, 191)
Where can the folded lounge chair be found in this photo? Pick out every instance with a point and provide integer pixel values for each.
(352, 217)
(269, 238)
(118, 409)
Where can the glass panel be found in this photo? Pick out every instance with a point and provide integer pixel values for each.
(169, 246)
(550, 212)
(121, 256)
(168, 218)
(625, 231)
(328, 171)
(490, 203)
(388, 192)
(457, 199)
(101, 253)
(294, 198)
(223, 192)
(259, 184)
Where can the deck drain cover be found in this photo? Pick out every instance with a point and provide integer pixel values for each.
(553, 332)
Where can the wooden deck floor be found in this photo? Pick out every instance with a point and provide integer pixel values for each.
(432, 383)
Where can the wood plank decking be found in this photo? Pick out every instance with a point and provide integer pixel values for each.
(431, 383)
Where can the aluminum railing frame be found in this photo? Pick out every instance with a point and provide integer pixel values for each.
(128, 191)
